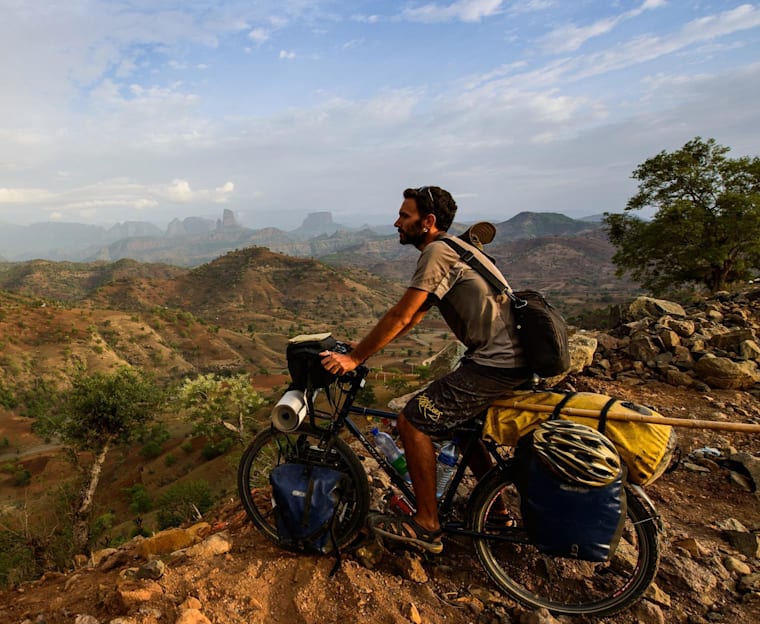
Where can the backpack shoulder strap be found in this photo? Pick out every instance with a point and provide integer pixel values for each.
(467, 256)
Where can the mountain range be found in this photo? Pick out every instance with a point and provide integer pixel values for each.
(195, 240)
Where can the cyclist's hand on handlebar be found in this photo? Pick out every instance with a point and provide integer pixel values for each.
(338, 363)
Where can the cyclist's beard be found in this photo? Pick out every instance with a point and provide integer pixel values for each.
(413, 236)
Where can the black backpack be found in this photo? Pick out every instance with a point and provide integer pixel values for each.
(540, 327)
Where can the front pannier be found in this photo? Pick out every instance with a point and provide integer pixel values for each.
(305, 500)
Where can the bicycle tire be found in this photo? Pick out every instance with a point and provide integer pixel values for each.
(271, 448)
(564, 586)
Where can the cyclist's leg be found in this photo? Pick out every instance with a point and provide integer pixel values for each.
(480, 461)
(420, 459)
(437, 410)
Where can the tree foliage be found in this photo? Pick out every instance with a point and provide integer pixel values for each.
(99, 411)
(219, 406)
(103, 408)
(706, 228)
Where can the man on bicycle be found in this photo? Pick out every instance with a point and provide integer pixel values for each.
(492, 366)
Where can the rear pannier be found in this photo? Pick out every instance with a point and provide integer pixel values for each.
(645, 448)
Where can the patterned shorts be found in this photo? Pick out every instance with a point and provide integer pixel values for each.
(461, 395)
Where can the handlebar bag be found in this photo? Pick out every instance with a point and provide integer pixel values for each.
(565, 519)
(306, 370)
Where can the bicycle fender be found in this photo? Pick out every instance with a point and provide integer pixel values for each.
(644, 499)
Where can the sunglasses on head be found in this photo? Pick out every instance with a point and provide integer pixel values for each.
(422, 189)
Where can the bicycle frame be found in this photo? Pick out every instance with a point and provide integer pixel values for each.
(492, 515)
(468, 434)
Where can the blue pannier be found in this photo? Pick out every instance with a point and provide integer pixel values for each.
(568, 519)
(306, 499)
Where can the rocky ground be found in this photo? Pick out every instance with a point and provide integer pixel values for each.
(223, 571)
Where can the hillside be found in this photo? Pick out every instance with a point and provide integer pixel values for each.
(539, 224)
(574, 269)
(232, 313)
(235, 313)
(569, 259)
(236, 576)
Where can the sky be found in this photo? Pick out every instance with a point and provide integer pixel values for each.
(150, 110)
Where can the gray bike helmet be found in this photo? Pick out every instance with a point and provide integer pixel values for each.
(577, 453)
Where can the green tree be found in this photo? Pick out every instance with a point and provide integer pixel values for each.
(706, 228)
(100, 411)
(139, 500)
(183, 501)
(366, 396)
(219, 405)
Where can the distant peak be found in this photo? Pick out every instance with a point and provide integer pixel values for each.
(317, 219)
(228, 219)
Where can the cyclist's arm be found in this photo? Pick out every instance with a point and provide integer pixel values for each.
(398, 320)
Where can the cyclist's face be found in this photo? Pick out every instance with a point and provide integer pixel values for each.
(409, 224)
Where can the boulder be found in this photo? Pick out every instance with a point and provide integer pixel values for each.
(724, 373)
(649, 307)
(749, 350)
(644, 348)
(732, 339)
(683, 327)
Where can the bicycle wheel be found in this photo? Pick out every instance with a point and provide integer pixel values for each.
(271, 448)
(562, 585)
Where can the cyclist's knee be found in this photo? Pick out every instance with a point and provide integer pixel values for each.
(405, 426)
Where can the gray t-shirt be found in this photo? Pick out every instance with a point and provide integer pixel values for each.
(468, 305)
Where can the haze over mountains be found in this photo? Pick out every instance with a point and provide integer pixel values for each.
(195, 240)
(567, 259)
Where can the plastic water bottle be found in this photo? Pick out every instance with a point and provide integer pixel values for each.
(392, 452)
(446, 467)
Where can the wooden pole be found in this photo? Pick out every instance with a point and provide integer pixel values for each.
(654, 420)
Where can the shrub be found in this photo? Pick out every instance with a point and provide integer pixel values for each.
(22, 477)
(101, 525)
(154, 440)
(217, 448)
(7, 398)
(140, 501)
(182, 502)
(17, 562)
(151, 450)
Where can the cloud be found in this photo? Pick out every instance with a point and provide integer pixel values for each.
(259, 35)
(179, 191)
(461, 10)
(223, 193)
(570, 37)
(144, 204)
(530, 6)
(646, 48)
(529, 128)
(23, 195)
(366, 19)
